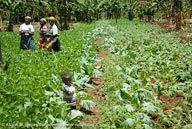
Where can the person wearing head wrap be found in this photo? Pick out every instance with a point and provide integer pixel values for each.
(54, 42)
(43, 31)
(26, 31)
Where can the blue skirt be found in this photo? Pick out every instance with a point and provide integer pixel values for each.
(27, 42)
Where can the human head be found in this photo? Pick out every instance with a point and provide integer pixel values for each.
(42, 21)
(51, 20)
(66, 78)
(27, 19)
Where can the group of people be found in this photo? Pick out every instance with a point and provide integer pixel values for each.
(48, 36)
(48, 39)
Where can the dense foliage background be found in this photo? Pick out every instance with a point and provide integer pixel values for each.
(175, 11)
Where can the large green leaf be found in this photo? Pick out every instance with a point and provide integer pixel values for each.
(75, 114)
(87, 104)
(129, 122)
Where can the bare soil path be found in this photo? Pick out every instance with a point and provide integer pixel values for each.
(92, 117)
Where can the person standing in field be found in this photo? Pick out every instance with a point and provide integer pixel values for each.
(43, 31)
(69, 94)
(26, 31)
(54, 42)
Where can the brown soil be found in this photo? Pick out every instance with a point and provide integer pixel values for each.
(171, 100)
(170, 26)
(98, 41)
(167, 109)
(95, 80)
(94, 93)
(183, 38)
(72, 23)
(102, 54)
(166, 25)
(99, 64)
(153, 81)
(155, 118)
(92, 116)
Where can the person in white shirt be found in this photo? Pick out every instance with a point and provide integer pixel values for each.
(54, 42)
(26, 31)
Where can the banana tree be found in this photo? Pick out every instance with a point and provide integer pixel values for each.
(173, 10)
(178, 9)
(116, 9)
(146, 10)
(12, 7)
(85, 10)
(63, 13)
(187, 8)
(129, 6)
(52, 7)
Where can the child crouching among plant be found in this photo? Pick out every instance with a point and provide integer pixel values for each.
(68, 89)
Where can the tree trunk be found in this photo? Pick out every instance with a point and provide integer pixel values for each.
(178, 10)
(149, 18)
(116, 15)
(16, 18)
(63, 15)
(1, 23)
(32, 14)
(130, 15)
(66, 17)
(10, 26)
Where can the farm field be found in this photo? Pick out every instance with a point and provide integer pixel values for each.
(145, 74)
(147, 78)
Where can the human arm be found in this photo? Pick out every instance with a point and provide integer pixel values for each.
(64, 88)
(51, 35)
(26, 29)
(21, 31)
(31, 30)
(68, 90)
(48, 35)
(53, 31)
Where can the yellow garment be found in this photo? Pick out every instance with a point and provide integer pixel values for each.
(52, 18)
(50, 45)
